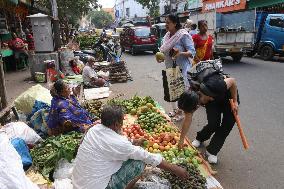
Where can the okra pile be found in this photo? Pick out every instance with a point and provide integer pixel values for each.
(46, 154)
(195, 180)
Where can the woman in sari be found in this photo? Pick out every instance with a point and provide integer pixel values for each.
(65, 113)
(203, 43)
(179, 47)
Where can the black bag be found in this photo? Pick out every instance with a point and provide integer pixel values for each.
(173, 83)
(204, 70)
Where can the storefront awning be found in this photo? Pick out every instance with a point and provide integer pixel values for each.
(263, 3)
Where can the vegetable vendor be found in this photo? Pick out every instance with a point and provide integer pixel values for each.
(65, 113)
(214, 94)
(106, 159)
(90, 78)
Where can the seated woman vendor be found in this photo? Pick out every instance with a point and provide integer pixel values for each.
(65, 113)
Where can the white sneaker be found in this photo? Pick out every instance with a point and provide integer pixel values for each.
(196, 143)
(211, 158)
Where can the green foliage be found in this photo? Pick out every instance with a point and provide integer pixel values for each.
(100, 18)
(87, 41)
(153, 7)
(47, 154)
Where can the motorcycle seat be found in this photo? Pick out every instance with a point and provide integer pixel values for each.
(89, 51)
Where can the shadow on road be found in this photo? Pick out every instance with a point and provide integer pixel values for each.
(145, 53)
(229, 63)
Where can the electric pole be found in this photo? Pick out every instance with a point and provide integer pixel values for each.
(56, 25)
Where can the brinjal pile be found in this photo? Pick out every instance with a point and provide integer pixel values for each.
(195, 180)
(93, 107)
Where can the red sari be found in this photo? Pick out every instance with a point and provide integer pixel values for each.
(203, 48)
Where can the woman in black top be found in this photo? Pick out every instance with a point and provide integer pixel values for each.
(214, 94)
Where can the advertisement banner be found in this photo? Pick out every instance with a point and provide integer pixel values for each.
(223, 5)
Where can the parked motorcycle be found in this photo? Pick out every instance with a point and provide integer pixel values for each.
(106, 49)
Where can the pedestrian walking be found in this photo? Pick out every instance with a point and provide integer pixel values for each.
(177, 46)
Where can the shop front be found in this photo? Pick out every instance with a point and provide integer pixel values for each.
(12, 20)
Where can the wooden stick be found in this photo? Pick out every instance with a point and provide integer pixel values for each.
(239, 124)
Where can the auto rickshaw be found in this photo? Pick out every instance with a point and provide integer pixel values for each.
(159, 30)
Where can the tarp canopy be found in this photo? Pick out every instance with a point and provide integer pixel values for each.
(263, 3)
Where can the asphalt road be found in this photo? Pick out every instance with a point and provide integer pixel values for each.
(261, 89)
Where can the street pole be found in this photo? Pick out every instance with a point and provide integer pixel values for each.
(56, 25)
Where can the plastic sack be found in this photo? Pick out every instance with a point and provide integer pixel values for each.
(23, 150)
(21, 130)
(63, 170)
(153, 182)
(65, 56)
(12, 175)
(26, 100)
(63, 184)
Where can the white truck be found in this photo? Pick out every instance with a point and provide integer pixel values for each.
(234, 35)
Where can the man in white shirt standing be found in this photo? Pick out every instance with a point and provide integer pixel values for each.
(90, 77)
(107, 159)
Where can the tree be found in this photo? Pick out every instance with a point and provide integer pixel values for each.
(70, 11)
(152, 6)
(101, 18)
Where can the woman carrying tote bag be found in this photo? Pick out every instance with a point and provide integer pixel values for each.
(178, 48)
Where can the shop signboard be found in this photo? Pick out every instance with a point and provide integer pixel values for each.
(194, 4)
(223, 5)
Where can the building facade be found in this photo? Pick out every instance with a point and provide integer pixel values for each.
(127, 9)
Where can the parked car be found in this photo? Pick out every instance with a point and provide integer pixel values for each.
(159, 30)
(137, 39)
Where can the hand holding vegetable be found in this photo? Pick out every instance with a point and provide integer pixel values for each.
(180, 172)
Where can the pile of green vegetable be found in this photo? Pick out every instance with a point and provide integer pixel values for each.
(87, 41)
(132, 104)
(47, 154)
(195, 180)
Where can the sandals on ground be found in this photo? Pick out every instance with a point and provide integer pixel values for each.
(173, 113)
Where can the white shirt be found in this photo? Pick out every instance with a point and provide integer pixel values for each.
(88, 73)
(101, 154)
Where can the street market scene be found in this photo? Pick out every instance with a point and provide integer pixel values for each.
(142, 94)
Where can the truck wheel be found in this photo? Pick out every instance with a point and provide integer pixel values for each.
(266, 52)
(237, 57)
(250, 53)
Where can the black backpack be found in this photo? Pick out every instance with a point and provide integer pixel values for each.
(202, 71)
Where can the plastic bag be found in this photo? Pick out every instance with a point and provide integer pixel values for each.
(21, 130)
(151, 180)
(63, 184)
(63, 170)
(12, 175)
(26, 100)
(23, 150)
